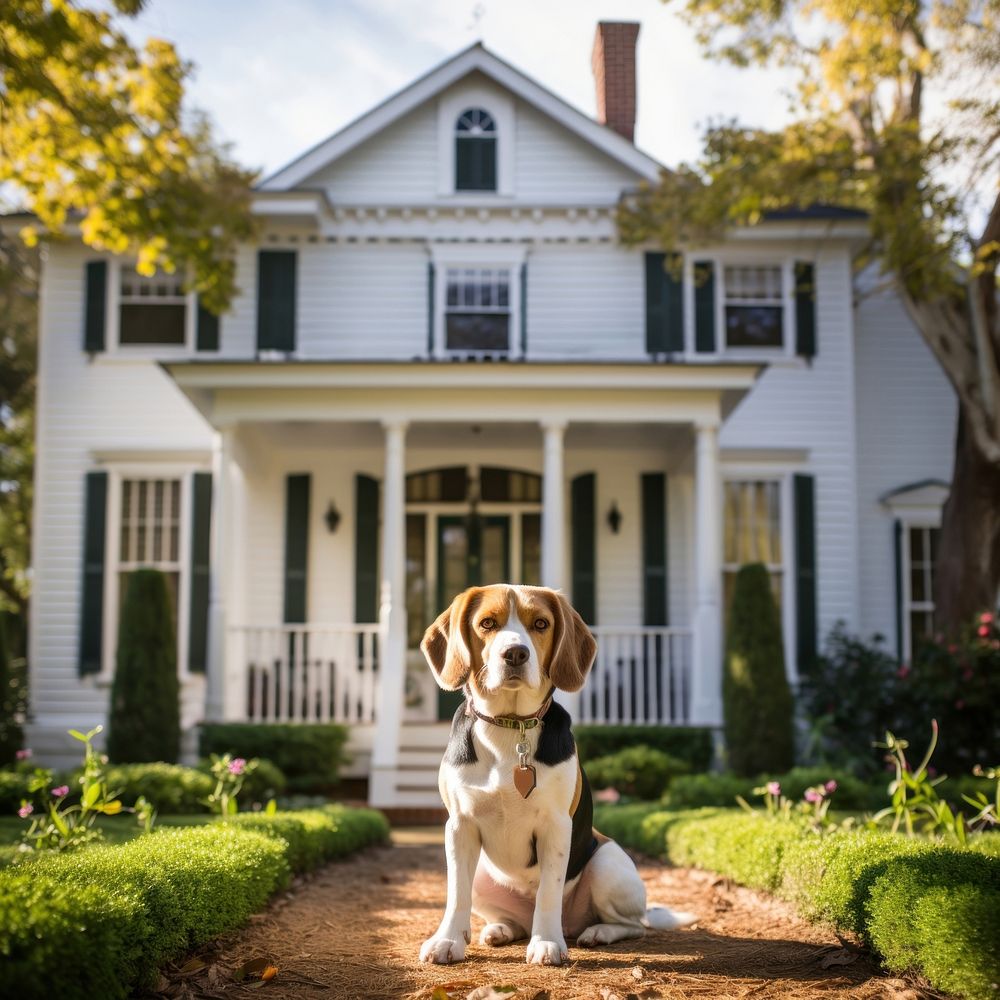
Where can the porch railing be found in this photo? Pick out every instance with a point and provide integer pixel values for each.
(641, 677)
(310, 673)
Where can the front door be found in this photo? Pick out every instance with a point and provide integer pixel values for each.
(470, 552)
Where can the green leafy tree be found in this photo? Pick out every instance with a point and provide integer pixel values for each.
(144, 724)
(96, 140)
(756, 699)
(896, 112)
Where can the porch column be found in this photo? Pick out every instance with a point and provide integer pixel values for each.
(218, 683)
(392, 617)
(553, 507)
(706, 678)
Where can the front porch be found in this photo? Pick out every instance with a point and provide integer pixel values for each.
(317, 617)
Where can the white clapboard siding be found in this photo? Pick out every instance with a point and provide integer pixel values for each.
(586, 302)
(906, 412)
(552, 164)
(811, 407)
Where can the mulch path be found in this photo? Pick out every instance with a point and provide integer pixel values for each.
(354, 930)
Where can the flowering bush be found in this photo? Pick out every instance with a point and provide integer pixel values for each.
(811, 809)
(230, 773)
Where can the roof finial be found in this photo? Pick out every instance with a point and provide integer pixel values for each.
(478, 13)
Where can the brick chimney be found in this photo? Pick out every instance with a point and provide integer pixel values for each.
(613, 60)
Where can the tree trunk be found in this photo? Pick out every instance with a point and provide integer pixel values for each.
(967, 571)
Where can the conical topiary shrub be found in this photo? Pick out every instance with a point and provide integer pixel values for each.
(145, 712)
(757, 701)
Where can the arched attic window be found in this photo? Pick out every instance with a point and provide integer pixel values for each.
(475, 151)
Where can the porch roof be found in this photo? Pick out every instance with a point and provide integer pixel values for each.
(228, 392)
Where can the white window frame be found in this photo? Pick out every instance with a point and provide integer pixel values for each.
(720, 262)
(907, 604)
(113, 320)
(782, 475)
(500, 106)
(112, 559)
(445, 257)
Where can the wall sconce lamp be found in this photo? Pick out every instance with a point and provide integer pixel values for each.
(332, 517)
(614, 517)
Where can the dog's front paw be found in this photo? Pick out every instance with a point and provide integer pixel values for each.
(546, 952)
(440, 950)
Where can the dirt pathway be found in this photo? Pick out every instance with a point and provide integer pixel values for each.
(354, 930)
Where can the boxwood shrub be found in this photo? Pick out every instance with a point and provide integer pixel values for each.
(309, 755)
(100, 921)
(923, 906)
(640, 772)
(692, 745)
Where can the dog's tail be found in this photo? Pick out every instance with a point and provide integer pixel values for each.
(659, 918)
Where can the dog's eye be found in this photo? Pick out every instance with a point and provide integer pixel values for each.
(541, 624)
(487, 623)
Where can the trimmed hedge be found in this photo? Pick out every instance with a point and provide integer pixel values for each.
(692, 745)
(921, 905)
(309, 755)
(640, 772)
(100, 921)
(695, 790)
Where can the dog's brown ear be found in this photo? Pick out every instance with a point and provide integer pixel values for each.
(574, 648)
(448, 645)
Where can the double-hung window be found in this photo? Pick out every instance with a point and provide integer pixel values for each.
(919, 554)
(752, 532)
(150, 533)
(754, 306)
(477, 309)
(152, 310)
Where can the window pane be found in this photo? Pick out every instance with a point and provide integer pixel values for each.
(503, 292)
(477, 332)
(753, 326)
(453, 287)
(916, 545)
(416, 579)
(152, 323)
(917, 592)
(531, 549)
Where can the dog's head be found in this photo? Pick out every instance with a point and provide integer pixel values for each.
(505, 637)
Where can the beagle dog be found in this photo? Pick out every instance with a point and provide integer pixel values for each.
(521, 849)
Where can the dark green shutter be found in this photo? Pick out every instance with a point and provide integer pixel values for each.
(897, 545)
(664, 306)
(704, 306)
(805, 309)
(276, 300)
(524, 310)
(95, 308)
(805, 569)
(654, 548)
(92, 594)
(201, 532)
(365, 549)
(430, 310)
(207, 332)
(296, 545)
(583, 521)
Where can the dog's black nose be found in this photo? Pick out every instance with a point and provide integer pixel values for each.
(516, 656)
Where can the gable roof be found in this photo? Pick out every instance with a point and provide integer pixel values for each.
(475, 57)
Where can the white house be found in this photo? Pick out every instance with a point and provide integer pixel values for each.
(443, 368)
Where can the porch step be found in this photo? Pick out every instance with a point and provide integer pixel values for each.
(424, 735)
(420, 757)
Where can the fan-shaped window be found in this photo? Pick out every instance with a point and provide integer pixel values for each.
(475, 151)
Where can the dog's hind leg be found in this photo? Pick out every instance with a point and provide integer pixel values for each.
(507, 915)
(618, 896)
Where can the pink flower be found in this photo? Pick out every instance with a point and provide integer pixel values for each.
(983, 630)
(773, 788)
(607, 795)
(237, 765)
(953, 649)
(831, 787)
(60, 791)
(814, 795)
(904, 671)
(985, 618)
(26, 810)
(24, 754)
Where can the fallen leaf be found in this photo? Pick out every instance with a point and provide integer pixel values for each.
(491, 992)
(254, 967)
(638, 973)
(842, 957)
(190, 967)
(269, 973)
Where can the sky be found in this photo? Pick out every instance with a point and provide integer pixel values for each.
(278, 76)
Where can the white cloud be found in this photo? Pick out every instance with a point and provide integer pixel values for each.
(279, 77)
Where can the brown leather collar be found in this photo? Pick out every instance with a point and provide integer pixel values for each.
(520, 722)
